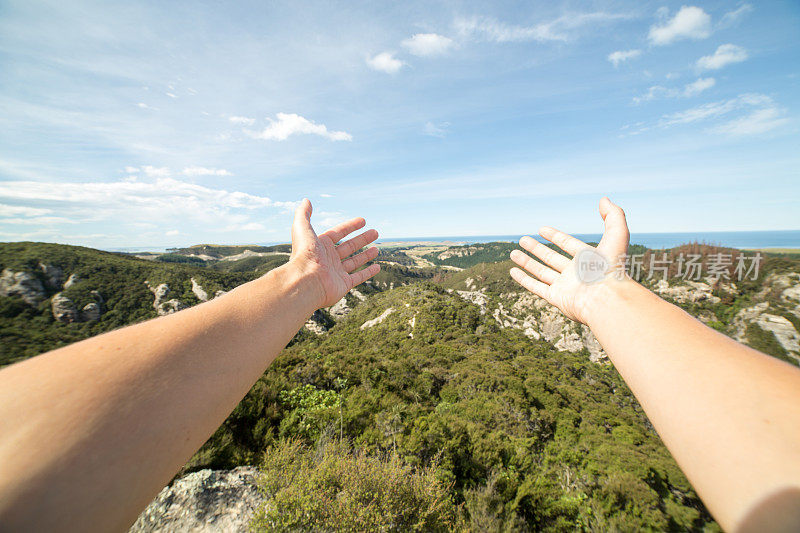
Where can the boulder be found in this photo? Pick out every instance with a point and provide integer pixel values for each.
(170, 306)
(204, 501)
(52, 275)
(22, 284)
(71, 280)
(91, 312)
(63, 309)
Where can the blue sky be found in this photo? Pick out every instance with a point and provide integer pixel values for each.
(173, 123)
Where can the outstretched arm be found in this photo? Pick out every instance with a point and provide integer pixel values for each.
(729, 414)
(91, 432)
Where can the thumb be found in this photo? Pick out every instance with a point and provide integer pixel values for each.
(616, 235)
(302, 231)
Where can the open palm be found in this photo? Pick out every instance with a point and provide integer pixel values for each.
(332, 266)
(557, 279)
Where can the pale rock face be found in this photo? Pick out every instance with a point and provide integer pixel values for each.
(22, 284)
(71, 280)
(220, 293)
(198, 291)
(63, 309)
(479, 298)
(377, 320)
(204, 501)
(744, 317)
(692, 291)
(91, 312)
(316, 324)
(783, 330)
(52, 275)
(340, 309)
(160, 304)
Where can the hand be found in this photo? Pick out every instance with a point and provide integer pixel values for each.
(329, 265)
(558, 280)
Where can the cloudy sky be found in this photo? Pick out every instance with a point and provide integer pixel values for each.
(171, 123)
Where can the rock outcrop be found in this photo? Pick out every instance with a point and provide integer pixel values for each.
(64, 309)
(198, 291)
(52, 275)
(377, 320)
(160, 303)
(91, 312)
(204, 501)
(317, 324)
(71, 280)
(22, 284)
(688, 292)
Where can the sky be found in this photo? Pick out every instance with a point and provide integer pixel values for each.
(157, 124)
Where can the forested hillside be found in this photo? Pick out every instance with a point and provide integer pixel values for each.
(505, 413)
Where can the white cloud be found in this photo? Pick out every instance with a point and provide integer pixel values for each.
(138, 206)
(427, 44)
(689, 90)
(385, 62)
(171, 95)
(172, 233)
(621, 56)
(326, 195)
(246, 121)
(731, 18)
(690, 22)
(155, 172)
(560, 29)
(757, 122)
(203, 171)
(289, 124)
(698, 86)
(131, 170)
(724, 55)
(142, 105)
(762, 114)
(22, 210)
(434, 130)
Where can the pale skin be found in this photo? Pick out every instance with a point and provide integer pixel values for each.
(91, 432)
(729, 414)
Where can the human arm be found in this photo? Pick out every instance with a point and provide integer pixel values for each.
(91, 432)
(729, 414)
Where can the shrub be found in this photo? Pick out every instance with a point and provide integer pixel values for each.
(335, 488)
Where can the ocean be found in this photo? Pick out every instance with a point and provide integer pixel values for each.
(734, 239)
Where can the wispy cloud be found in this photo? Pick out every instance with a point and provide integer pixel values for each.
(288, 124)
(761, 115)
(246, 121)
(435, 130)
(203, 171)
(560, 29)
(427, 44)
(724, 55)
(690, 22)
(688, 90)
(620, 56)
(385, 62)
(732, 18)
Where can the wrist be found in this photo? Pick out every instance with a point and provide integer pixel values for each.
(612, 291)
(298, 284)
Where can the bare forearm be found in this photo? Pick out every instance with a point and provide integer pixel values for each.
(730, 415)
(122, 412)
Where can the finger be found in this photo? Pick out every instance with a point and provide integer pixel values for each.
(302, 232)
(548, 275)
(616, 236)
(356, 278)
(546, 254)
(568, 243)
(533, 285)
(337, 233)
(357, 260)
(353, 245)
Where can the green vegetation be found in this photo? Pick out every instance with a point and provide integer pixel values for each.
(434, 419)
(472, 254)
(218, 251)
(333, 488)
(178, 258)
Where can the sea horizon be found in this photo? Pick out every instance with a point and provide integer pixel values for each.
(762, 239)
